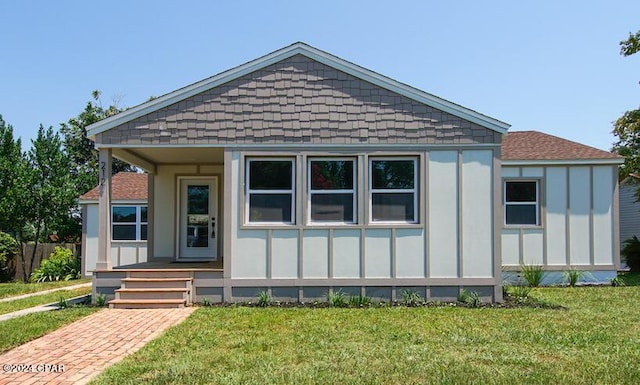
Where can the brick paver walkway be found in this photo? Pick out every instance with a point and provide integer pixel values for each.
(83, 349)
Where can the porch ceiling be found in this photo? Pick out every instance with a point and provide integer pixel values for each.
(156, 156)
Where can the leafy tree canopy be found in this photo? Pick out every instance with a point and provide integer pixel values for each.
(627, 127)
(84, 157)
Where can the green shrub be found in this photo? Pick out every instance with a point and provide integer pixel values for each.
(336, 299)
(101, 300)
(359, 301)
(8, 252)
(519, 293)
(470, 298)
(411, 298)
(61, 266)
(264, 299)
(631, 253)
(573, 276)
(533, 274)
(617, 281)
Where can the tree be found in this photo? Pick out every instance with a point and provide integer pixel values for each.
(13, 192)
(53, 191)
(627, 127)
(84, 157)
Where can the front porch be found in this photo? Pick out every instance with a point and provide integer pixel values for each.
(160, 283)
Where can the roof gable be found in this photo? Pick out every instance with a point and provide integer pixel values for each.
(124, 186)
(285, 53)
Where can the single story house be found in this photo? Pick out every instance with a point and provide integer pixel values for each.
(300, 173)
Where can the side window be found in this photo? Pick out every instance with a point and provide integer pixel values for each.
(129, 223)
(393, 190)
(332, 193)
(521, 203)
(270, 191)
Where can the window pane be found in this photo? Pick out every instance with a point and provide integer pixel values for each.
(521, 192)
(392, 207)
(143, 214)
(270, 208)
(393, 174)
(270, 175)
(124, 214)
(332, 175)
(332, 208)
(198, 199)
(124, 232)
(521, 215)
(143, 232)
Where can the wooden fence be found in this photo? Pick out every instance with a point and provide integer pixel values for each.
(42, 252)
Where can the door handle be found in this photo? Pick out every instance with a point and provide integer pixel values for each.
(213, 227)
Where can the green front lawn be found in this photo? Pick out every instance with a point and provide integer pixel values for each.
(597, 340)
(24, 303)
(18, 288)
(17, 331)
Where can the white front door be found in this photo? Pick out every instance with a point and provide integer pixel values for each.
(197, 235)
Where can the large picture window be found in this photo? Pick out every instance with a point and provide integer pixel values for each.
(269, 191)
(393, 190)
(129, 223)
(332, 195)
(521, 203)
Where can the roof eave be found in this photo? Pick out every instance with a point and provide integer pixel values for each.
(550, 162)
(282, 54)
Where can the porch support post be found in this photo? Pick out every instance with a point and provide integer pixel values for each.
(104, 209)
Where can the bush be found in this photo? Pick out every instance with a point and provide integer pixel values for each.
(8, 252)
(470, 298)
(337, 299)
(533, 274)
(61, 266)
(631, 253)
(411, 298)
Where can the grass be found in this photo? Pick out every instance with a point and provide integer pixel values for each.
(597, 340)
(17, 288)
(17, 331)
(24, 303)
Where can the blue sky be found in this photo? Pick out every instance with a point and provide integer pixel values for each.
(551, 66)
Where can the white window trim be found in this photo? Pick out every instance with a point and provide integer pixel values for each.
(249, 191)
(505, 203)
(138, 223)
(352, 191)
(414, 191)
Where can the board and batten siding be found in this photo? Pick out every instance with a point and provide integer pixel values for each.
(629, 211)
(576, 219)
(453, 239)
(122, 252)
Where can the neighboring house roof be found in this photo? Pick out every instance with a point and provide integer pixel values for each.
(538, 146)
(285, 53)
(124, 186)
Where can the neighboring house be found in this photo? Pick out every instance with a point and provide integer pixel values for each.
(301, 173)
(129, 222)
(629, 208)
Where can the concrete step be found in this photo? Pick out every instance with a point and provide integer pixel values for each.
(153, 293)
(156, 283)
(146, 303)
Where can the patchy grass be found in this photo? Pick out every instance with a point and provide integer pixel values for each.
(36, 300)
(17, 288)
(17, 331)
(595, 340)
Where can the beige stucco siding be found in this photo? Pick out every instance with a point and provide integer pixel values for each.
(297, 100)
